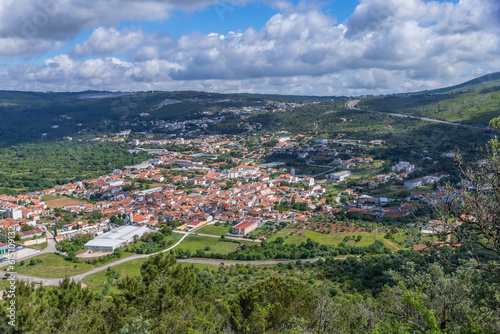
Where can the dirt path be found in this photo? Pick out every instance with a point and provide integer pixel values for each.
(397, 248)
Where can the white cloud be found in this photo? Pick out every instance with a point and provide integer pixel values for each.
(12, 46)
(55, 19)
(107, 41)
(386, 46)
(47, 21)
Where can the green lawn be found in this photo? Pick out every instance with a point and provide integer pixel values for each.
(52, 266)
(362, 174)
(215, 230)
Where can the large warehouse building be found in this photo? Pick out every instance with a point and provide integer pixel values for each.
(339, 176)
(115, 238)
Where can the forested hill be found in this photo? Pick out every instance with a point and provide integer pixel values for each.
(473, 102)
(32, 116)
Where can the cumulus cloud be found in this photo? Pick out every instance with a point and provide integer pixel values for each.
(385, 46)
(14, 46)
(421, 39)
(46, 21)
(56, 19)
(106, 41)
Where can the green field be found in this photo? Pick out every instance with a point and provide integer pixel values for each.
(328, 239)
(215, 230)
(52, 266)
(97, 281)
(132, 268)
(175, 237)
(49, 197)
(195, 242)
(41, 246)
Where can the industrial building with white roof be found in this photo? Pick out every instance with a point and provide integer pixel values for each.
(116, 238)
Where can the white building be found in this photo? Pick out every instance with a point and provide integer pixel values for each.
(426, 180)
(339, 176)
(116, 238)
(14, 213)
(403, 166)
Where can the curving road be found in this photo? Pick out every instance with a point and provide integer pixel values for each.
(78, 278)
(352, 105)
(51, 248)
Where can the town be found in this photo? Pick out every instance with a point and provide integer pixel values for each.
(215, 179)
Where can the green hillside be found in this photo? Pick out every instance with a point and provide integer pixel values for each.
(32, 116)
(473, 102)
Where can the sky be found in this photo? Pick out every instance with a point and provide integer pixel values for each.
(328, 48)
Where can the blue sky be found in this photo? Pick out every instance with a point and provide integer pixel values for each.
(291, 47)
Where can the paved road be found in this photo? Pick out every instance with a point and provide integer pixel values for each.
(352, 105)
(78, 278)
(51, 248)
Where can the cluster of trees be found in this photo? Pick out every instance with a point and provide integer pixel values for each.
(41, 166)
(171, 298)
(75, 244)
(279, 250)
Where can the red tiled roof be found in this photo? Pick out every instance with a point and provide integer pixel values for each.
(245, 224)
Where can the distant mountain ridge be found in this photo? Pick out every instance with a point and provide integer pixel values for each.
(478, 84)
(474, 102)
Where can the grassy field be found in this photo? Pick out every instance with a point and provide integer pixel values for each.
(195, 242)
(367, 238)
(49, 197)
(41, 246)
(97, 281)
(215, 230)
(52, 266)
(132, 268)
(175, 237)
(364, 173)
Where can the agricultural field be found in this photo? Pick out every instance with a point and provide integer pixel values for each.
(61, 202)
(333, 228)
(297, 236)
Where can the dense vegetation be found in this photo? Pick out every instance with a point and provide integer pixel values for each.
(405, 297)
(40, 166)
(475, 102)
(279, 250)
(31, 116)
(445, 290)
